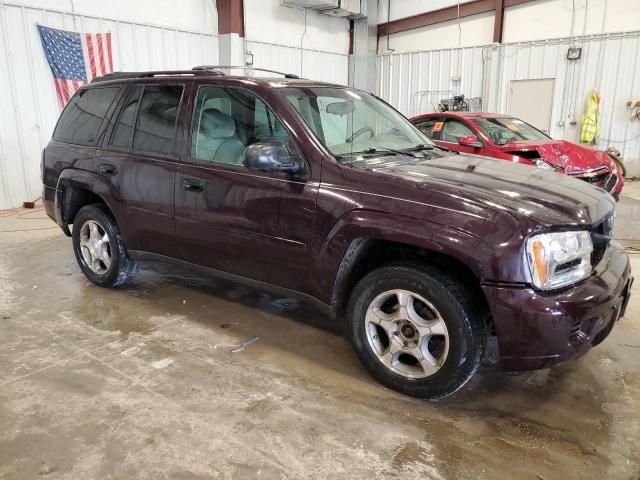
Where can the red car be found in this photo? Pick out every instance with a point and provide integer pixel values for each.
(508, 138)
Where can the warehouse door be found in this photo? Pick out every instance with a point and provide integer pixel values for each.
(532, 101)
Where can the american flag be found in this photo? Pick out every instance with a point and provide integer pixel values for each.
(75, 58)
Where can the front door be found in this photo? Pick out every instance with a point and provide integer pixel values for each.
(452, 131)
(228, 218)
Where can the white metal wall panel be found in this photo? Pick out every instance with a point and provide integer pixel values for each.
(28, 105)
(415, 82)
(610, 64)
(308, 63)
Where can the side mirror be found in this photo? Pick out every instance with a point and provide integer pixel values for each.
(270, 158)
(470, 141)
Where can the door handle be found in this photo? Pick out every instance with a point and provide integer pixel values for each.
(191, 185)
(107, 169)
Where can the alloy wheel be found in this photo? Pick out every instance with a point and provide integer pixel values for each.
(95, 247)
(407, 333)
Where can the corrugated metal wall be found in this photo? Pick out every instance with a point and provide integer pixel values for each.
(308, 63)
(28, 105)
(415, 82)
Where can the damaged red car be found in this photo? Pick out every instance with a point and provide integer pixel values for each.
(508, 138)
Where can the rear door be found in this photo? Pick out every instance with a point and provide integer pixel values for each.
(139, 159)
(78, 132)
(256, 225)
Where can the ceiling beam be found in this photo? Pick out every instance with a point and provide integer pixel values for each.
(230, 17)
(468, 9)
(498, 22)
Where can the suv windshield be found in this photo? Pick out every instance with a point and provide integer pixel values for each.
(349, 122)
(504, 130)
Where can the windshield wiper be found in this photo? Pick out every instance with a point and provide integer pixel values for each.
(431, 147)
(409, 152)
(421, 146)
(369, 151)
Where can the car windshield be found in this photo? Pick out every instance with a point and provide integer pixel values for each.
(349, 122)
(503, 130)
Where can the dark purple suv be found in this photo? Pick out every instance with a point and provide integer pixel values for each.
(330, 194)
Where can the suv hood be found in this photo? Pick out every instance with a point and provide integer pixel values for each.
(486, 183)
(566, 156)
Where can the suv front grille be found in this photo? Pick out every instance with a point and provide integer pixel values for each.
(601, 236)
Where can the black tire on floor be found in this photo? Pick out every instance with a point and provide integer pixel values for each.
(466, 330)
(122, 268)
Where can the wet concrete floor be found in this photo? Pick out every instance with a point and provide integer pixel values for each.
(143, 382)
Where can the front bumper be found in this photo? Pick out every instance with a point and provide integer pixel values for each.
(537, 329)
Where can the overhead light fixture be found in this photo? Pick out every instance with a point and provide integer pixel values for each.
(574, 53)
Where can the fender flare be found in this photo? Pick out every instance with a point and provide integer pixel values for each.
(83, 180)
(352, 233)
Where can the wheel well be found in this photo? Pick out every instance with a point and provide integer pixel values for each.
(367, 255)
(74, 199)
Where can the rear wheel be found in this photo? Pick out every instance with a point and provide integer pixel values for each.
(99, 249)
(415, 330)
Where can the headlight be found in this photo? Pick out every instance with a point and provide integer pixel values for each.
(558, 259)
(542, 164)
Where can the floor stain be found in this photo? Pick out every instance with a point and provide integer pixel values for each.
(80, 397)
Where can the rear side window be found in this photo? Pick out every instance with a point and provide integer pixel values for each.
(81, 119)
(431, 127)
(157, 116)
(123, 130)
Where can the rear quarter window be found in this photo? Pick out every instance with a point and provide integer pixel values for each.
(81, 119)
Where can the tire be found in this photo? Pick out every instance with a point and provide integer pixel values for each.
(106, 264)
(453, 353)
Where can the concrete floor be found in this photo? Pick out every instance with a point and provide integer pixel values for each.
(143, 382)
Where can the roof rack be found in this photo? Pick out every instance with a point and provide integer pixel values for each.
(195, 71)
(124, 75)
(217, 68)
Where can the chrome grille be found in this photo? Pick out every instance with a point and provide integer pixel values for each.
(610, 182)
(601, 236)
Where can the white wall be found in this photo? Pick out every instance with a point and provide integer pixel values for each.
(28, 105)
(474, 30)
(543, 19)
(409, 8)
(193, 15)
(269, 22)
(535, 20)
(276, 37)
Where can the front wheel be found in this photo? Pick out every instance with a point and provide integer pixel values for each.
(99, 249)
(415, 330)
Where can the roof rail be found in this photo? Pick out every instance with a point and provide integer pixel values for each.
(216, 68)
(159, 73)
